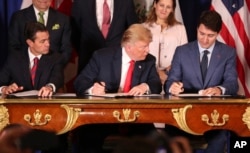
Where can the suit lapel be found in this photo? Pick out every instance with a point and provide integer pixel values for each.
(116, 15)
(30, 14)
(43, 64)
(25, 64)
(139, 66)
(51, 19)
(214, 61)
(116, 67)
(195, 57)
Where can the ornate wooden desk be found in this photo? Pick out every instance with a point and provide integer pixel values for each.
(193, 115)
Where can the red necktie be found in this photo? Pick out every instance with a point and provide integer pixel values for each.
(33, 70)
(106, 19)
(128, 81)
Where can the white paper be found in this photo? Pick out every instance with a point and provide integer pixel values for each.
(26, 93)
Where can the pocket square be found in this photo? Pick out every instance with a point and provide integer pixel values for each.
(55, 27)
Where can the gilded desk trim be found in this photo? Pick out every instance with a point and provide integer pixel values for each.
(184, 113)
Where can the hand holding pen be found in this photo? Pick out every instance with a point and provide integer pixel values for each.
(99, 88)
(176, 88)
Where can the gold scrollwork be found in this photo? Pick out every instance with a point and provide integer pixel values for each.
(37, 118)
(179, 115)
(72, 116)
(215, 119)
(246, 117)
(126, 113)
(4, 117)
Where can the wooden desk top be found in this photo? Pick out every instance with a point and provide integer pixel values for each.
(193, 115)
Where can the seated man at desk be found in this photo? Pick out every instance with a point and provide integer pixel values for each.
(207, 67)
(34, 69)
(128, 69)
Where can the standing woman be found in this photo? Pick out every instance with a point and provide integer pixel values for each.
(168, 33)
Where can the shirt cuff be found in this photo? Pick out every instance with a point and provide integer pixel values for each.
(52, 86)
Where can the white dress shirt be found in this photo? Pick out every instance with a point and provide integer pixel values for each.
(99, 11)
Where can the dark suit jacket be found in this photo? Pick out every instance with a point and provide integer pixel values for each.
(59, 38)
(87, 36)
(221, 71)
(16, 70)
(105, 65)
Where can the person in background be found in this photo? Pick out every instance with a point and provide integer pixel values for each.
(17, 138)
(206, 67)
(58, 26)
(167, 33)
(108, 68)
(98, 24)
(35, 68)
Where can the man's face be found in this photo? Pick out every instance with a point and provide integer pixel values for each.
(41, 44)
(138, 50)
(205, 36)
(41, 5)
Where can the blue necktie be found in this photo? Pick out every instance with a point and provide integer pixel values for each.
(204, 63)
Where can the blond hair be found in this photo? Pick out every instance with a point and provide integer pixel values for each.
(136, 32)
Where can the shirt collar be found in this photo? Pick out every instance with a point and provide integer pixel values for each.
(45, 12)
(210, 49)
(32, 56)
(125, 57)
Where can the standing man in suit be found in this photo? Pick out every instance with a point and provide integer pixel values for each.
(34, 69)
(98, 24)
(57, 24)
(207, 67)
(107, 69)
(107, 72)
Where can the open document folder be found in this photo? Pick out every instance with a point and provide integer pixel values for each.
(199, 95)
(35, 93)
(124, 95)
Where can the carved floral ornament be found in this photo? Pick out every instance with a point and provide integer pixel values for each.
(4, 117)
(215, 115)
(246, 117)
(126, 114)
(39, 120)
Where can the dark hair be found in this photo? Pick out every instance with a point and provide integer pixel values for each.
(31, 28)
(211, 19)
(171, 20)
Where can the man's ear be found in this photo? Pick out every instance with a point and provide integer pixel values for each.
(29, 42)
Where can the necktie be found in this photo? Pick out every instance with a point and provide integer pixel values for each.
(128, 81)
(106, 19)
(33, 70)
(41, 19)
(204, 64)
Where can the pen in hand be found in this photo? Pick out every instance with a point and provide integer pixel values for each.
(103, 85)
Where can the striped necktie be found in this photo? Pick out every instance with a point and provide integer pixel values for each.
(33, 70)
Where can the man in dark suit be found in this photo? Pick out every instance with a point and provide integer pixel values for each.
(48, 74)
(107, 73)
(107, 69)
(217, 76)
(57, 24)
(87, 20)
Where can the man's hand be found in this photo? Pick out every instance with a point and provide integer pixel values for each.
(46, 91)
(98, 88)
(213, 91)
(11, 89)
(139, 89)
(176, 88)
